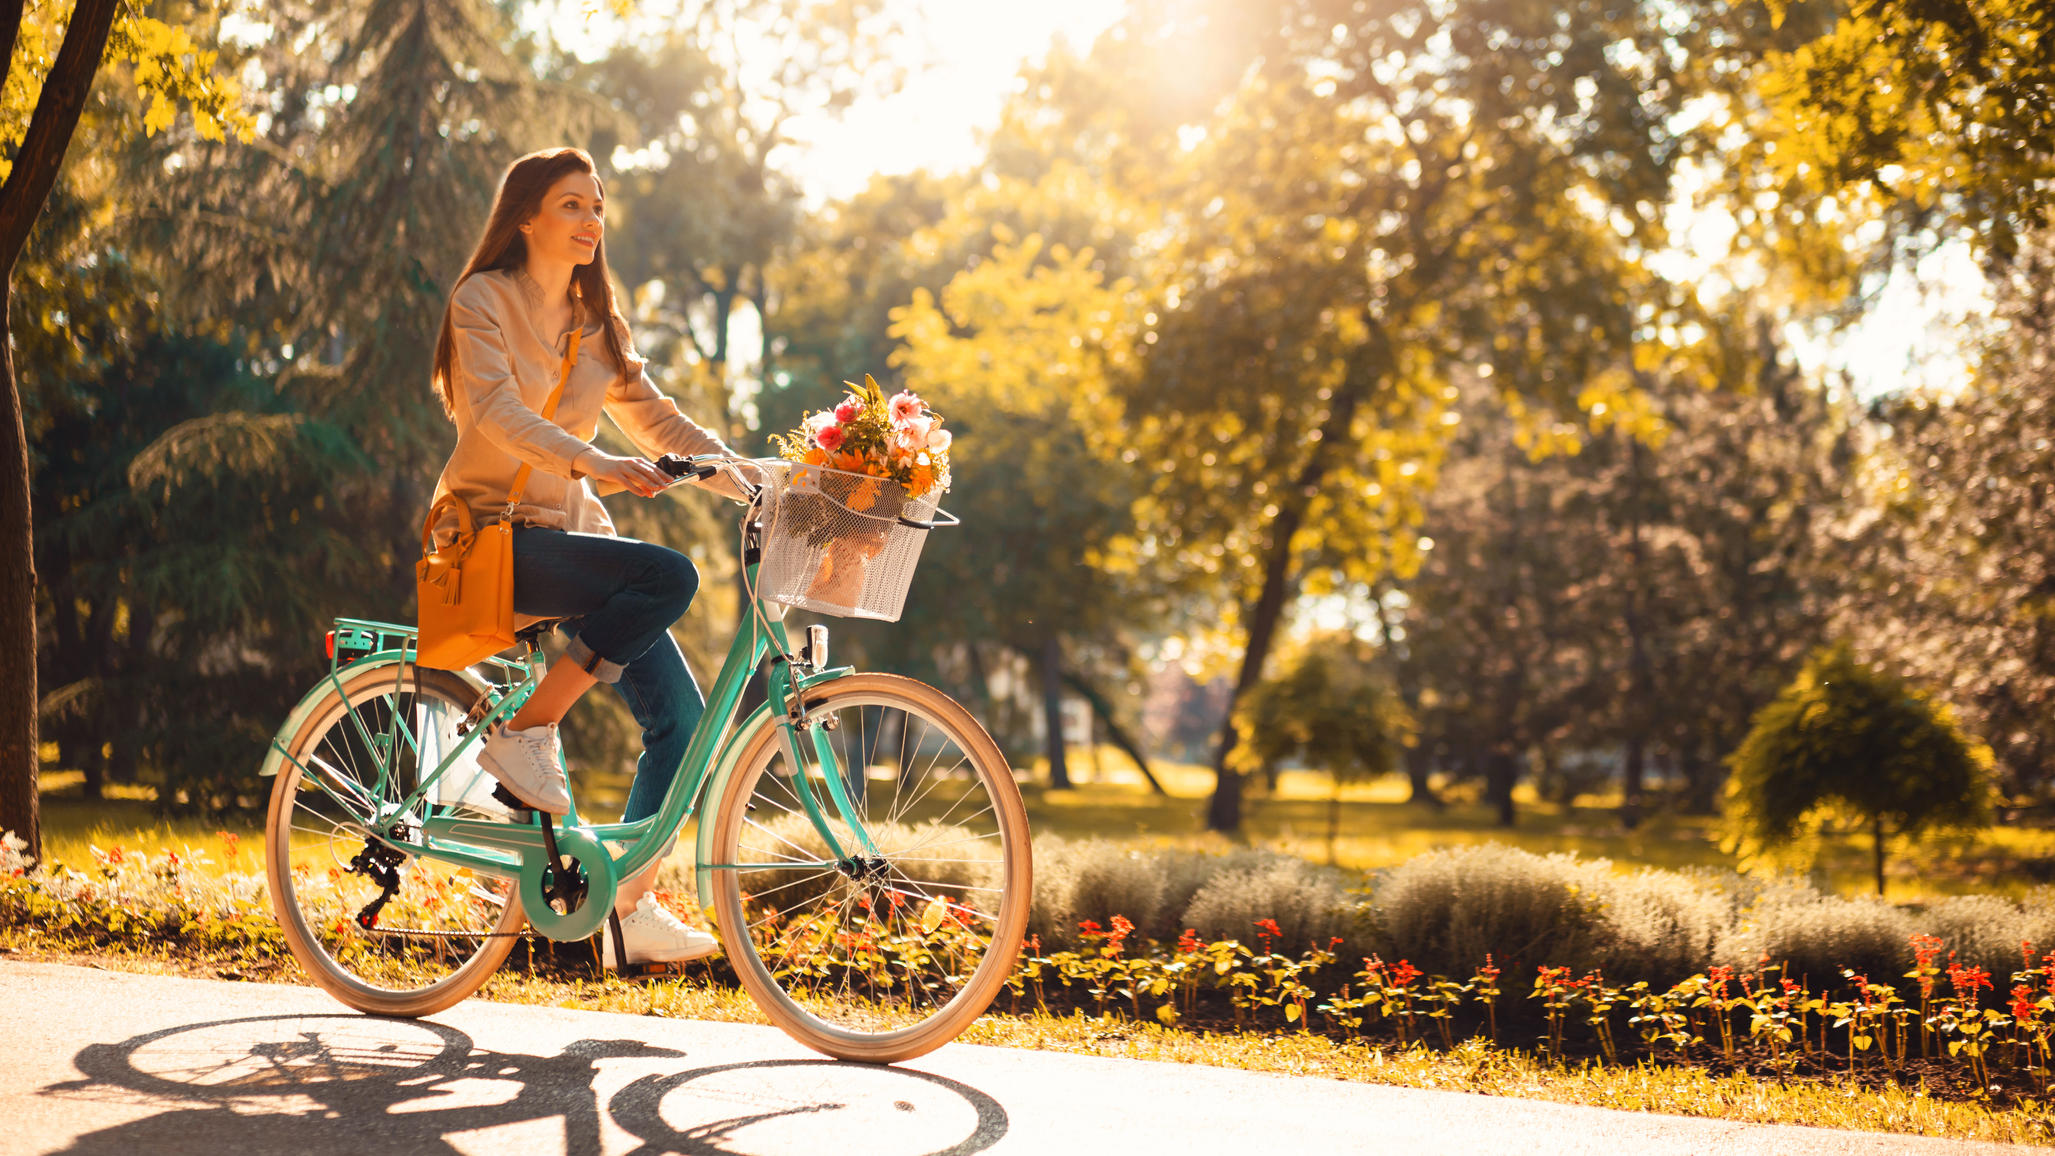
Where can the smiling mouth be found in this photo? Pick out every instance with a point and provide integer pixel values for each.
(582, 239)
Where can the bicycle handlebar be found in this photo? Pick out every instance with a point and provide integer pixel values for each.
(702, 468)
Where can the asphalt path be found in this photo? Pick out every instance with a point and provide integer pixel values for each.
(103, 1062)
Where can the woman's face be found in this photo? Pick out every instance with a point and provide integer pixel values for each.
(568, 225)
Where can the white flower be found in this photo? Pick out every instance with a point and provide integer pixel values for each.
(939, 440)
(13, 842)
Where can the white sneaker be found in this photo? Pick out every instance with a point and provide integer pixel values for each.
(530, 763)
(653, 935)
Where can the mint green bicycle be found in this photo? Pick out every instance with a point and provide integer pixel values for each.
(859, 842)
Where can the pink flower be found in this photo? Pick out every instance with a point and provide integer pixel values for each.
(847, 411)
(905, 407)
(828, 437)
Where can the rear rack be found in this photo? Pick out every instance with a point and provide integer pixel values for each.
(353, 638)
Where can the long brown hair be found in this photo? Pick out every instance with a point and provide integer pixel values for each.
(521, 190)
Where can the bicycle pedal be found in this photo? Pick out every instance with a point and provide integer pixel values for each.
(523, 813)
(641, 971)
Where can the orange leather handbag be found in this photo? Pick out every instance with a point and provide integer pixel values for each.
(465, 591)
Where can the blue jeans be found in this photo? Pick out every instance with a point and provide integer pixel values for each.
(617, 598)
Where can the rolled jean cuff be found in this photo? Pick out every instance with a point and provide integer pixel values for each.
(594, 665)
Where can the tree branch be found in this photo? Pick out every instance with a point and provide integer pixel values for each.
(1114, 730)
(50, 130)
(10, 31)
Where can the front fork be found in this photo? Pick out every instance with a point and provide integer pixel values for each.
(799, 730)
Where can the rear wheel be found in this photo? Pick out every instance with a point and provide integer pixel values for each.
(382, 927)
(874, 955)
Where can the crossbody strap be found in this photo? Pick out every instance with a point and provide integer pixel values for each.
(549, 413)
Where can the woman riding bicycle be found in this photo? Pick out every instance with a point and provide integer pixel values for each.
(537, 277)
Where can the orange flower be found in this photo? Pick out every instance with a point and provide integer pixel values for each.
(816, 457)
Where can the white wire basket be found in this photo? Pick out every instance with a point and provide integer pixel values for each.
(842, 543)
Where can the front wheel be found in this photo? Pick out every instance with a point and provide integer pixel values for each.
(878, 953)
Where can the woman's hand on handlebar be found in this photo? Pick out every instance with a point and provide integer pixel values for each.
(635, 475)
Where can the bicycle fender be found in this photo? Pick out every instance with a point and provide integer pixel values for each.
(274, 756)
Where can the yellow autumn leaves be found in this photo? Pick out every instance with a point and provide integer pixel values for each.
(168, 68)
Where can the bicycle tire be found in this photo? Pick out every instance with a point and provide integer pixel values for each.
(487, 912)
(838, 998)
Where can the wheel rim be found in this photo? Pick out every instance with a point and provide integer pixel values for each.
(876, 947)
(355, 767)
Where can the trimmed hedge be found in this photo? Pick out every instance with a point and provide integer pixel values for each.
(1446, 910)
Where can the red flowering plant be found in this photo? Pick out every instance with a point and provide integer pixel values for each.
(1554, 988)
(1925, 949)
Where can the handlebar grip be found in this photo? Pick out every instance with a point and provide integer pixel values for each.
(678, 465)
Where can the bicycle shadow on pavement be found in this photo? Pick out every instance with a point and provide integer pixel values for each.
(318, 1084)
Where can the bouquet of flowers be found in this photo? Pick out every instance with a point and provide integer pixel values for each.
(857, 468)
(900, 439)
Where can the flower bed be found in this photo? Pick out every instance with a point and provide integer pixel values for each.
(1943, 1024)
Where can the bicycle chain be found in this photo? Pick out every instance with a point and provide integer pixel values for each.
(425, 933)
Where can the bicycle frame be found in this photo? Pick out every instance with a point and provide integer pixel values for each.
(521, 850)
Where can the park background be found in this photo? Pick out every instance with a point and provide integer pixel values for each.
(1474, 412)
(1614, 430)
(1381, 426)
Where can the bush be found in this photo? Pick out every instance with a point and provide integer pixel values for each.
(1166, 891)
(1664, 925)
(1986, 931)
(1311, 905)
(1815, 936)
(1107, 880)
(1446, 910)
(1846, 736)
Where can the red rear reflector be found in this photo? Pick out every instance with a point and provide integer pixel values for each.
(329, 644)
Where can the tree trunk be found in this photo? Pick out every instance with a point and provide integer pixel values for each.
(1701, 781)
(19, 761)
(1633, 780)
(1224, 809)
(1333, 819)
(1052, 711)
(21, 202)
(1877, 840)
(1640, 676)
(1419, 763)
(1119, 734)
(1501, 768)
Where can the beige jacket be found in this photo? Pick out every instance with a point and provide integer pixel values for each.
(501, 377)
